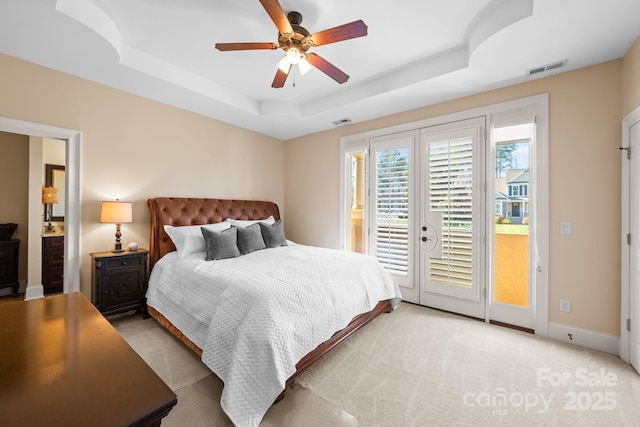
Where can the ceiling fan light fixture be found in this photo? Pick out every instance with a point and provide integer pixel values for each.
(293, 55)
(295, 40)
(284, 65)
(304, 66)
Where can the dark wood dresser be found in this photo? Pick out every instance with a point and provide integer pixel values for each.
(9, 265)
(119, 281)
(63, 364)
(52, 264)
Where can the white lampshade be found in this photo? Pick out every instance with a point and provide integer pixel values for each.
(293, 55)
(284, 65)
(116, 212)
(304, 66)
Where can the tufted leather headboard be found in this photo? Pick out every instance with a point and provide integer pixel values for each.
(178, 211)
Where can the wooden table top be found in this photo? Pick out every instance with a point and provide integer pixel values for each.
(62, 363)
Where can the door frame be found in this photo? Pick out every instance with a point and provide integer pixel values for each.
(627, 123)
(540, 104)
(73, 142)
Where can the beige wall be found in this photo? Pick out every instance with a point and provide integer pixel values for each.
(134, 148)
(585, 118)
(14, 182)
(631, 79)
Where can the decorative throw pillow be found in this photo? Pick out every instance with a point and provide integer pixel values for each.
(250, 239)
(220, 244)
(273, 234)
(247, 222)
(188, 238)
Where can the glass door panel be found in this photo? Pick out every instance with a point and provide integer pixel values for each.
(451, 198)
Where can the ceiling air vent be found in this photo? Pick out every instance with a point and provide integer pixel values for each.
(342, 122)
(548, 67)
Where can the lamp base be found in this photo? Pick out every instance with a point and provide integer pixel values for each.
(117, 247)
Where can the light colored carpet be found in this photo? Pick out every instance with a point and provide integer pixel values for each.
(199, 391)
(417, 367)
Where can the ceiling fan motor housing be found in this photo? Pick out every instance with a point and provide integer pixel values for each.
(300, 38)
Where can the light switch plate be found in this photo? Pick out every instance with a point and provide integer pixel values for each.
(565, 228)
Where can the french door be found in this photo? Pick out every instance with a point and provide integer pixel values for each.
(456, 210)
(451, 218)
(392, 193)
(431, 217)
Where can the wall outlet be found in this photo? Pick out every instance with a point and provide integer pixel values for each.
(565, 305)
(565, 228)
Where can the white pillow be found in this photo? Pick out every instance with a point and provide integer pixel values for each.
(248, 222)
(189, 239)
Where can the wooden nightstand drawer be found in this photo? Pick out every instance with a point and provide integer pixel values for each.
(123, 262)
(119, 281)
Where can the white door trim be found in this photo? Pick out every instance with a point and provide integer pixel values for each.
(73, 140)
(627, 123)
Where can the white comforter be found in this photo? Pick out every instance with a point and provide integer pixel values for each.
(257, 315)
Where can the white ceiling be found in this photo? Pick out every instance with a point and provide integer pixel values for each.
(417, 52)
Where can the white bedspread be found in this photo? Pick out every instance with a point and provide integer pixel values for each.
(257, 315)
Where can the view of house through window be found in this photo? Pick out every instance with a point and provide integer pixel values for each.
(512, 180)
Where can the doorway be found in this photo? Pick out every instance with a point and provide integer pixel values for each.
(73, 142)
(630, 288)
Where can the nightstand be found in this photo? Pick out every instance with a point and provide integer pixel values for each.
(119, 281)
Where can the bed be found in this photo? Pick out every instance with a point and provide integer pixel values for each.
(179, 305)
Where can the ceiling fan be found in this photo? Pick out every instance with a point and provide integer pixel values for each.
(296, 41)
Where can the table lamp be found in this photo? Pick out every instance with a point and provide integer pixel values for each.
(49, 197)
(117, 213)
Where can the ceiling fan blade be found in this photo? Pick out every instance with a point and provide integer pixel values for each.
(246, 46)
(326, 67)
(280, 78)
(348, 31)
(277, 15)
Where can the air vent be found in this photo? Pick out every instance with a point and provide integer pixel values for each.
(548, 67)
(342, 122)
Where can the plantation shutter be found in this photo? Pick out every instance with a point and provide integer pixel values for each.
(450, 182)
(392, 209)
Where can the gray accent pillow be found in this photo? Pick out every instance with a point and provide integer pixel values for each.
(250, 238)
(273, 234)
(220, 244)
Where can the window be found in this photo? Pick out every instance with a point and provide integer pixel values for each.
(392, 209)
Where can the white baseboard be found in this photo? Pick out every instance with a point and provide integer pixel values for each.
(33, 292)
(589, 339)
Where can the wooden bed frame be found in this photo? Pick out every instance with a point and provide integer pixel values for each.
(179, 211)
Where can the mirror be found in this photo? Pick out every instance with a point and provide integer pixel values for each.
(55, 177)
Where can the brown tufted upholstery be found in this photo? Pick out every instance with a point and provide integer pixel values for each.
(178, 211)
